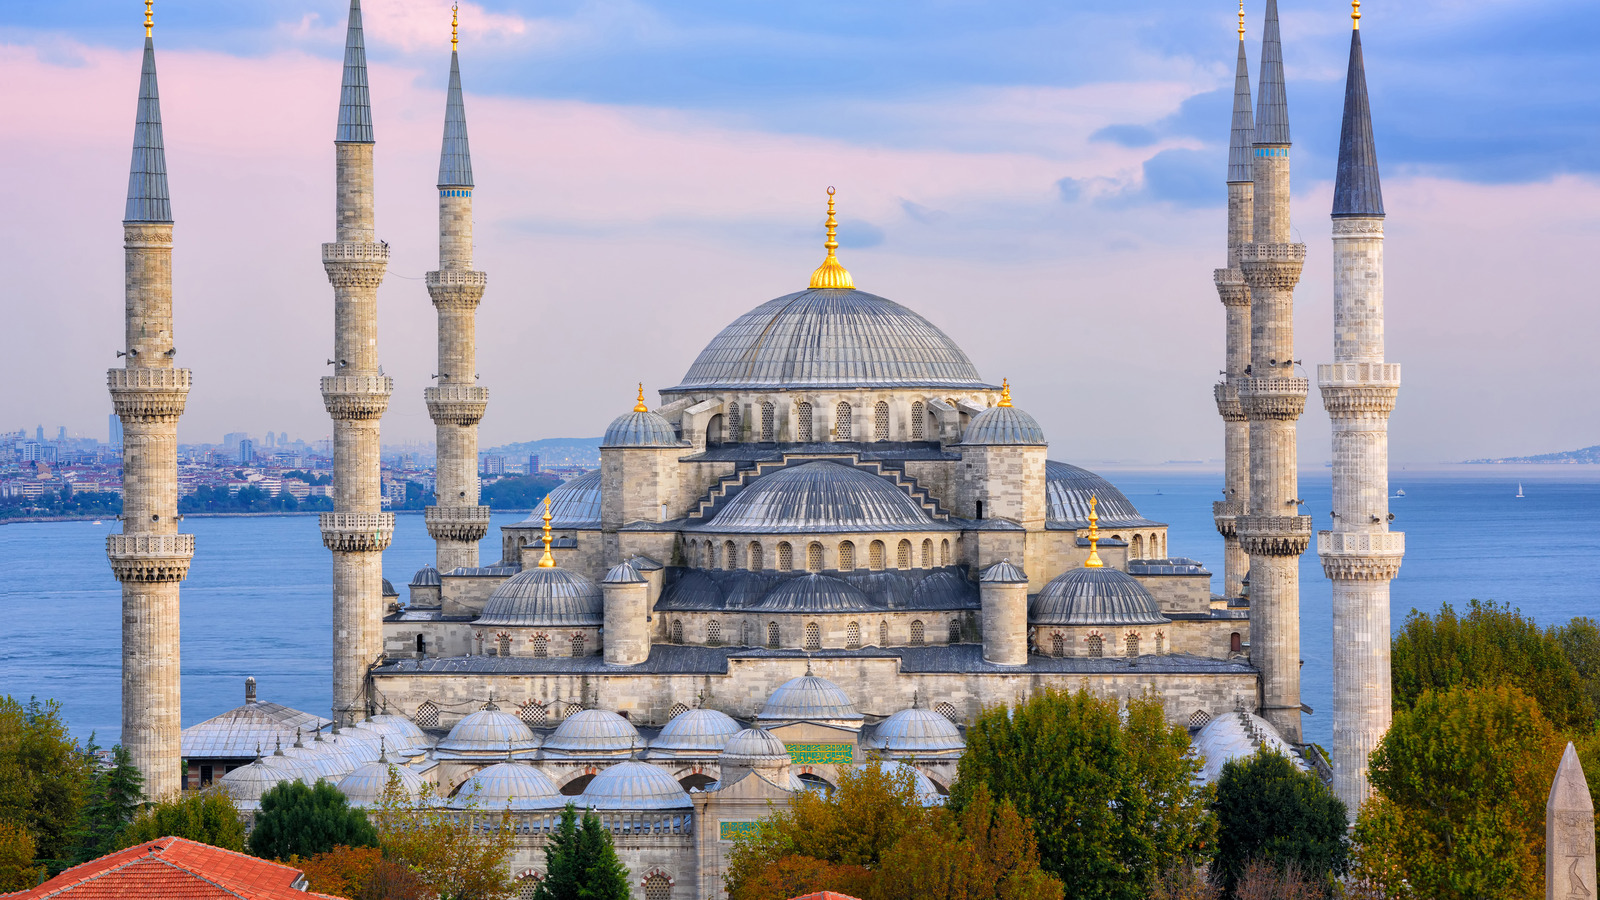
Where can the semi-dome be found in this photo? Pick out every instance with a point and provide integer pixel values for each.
(755, 746)
(488, 732)
(508, 785)
(594, 731)
(1003, 425)
(696, 731)
(574, 505)
(246, 784)
(916, 731)
(808, 698)
(1067, 489)
(827, 338)
(821, 497)
(544, 597)
(640, 428)
(815, 593)
(1100, 596)
(365, 786)
(635, 785)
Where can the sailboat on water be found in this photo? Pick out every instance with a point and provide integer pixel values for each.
(1519, 490)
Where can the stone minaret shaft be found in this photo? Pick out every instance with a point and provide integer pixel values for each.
(1272, 532)
(457, 404)
(1236, 303)
(1360, 554)
(150, 557)
(357, 531)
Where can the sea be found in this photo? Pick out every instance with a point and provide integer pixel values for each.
(256, 602)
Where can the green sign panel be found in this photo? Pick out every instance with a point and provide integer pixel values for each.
(735, 830)
(821, 754)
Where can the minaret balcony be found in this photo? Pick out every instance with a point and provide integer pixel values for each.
(456, 278)
(357, 532)
(150, 558)
(355, 251)
(1361, 555)
(1272, 266)
(1228, 401)
(456, 404)
(1273, 398)
(149, 394)
(356, 396)
(1359, 390)
(457, 523)
(1226, 514)
(1274, 535)
(1359, 374)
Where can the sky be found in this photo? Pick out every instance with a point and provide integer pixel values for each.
(1042, 180)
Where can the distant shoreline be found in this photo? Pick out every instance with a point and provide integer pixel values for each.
(23, 520)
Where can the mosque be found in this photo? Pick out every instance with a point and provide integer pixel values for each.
(832, 543)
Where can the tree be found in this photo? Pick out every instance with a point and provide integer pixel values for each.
(297, 820)
(210, 818)
(990, 853)
(115, 796)
(1494, 644)
(1580, 640)
(1113, 802)
(360, 873)
(44, 777)
(1270, 814)
(1461, 781)
(518, 491)
(581, 863)
(460, 855)
(17, 871)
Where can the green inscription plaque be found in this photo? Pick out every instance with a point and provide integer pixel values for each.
(821, 754)
(735, 830)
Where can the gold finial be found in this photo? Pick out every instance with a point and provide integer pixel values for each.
(455, 20)
(149, 17)
(1355, 13)
(640, 407)
(830, 274)
(547, 561)
(1241, 20)
(1093, 562)
(1005, 393)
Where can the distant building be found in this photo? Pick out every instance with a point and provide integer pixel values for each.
(231, 440)
(247, 451)
(116, 431)
(533, 464)
(494, 464)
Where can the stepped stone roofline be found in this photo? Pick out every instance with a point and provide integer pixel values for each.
(1244, 123)
(148, 200)
(455, 158)
(1272, 103)
(1357, 191)
(355, 104)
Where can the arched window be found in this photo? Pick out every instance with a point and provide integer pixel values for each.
(927, 553)
(875, 556)
(541, 645)
(803, 412)
(883, 633)
(769, 414)
(917, 416)
(735, 421)
(814, 557)
(1097, 645)
(813, 636)
(852, 635)
(1161, 643)
(711, 555)
(755, 557)
(1199, 719)
(427, 715)
(676, 710)
(772, 635)
(714, 633)
(902, 555)
(944, 552)
(730, 555)
(747, 634)
(577, 644)
(1133, 643)
(677, 631)
(847, 556)
(527, 887)
(715, 432)
(785, 556)
(422, 645)
(955, 631)
(504, 640)
(916, 633)
(880, 421)
(947, 710)
(1137, 551)
(1058, 644)
(657, 887)
(532, 713)
(1235, 643)
(841, 422)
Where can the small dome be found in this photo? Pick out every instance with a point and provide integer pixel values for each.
(814, 593)
(489, 732)
(1236, 735)
(388, 589)
(705, 730)
(330, 764)
(635, 785)
(640, 429)
(623, 573)
(545, 597)
(594, 731)
(1067, 489)
(1003, 572)
(926, 792)
(574, 505)
(1095, 597)
(428, 576)
(348, 759)
(365, 786)
(508, 785)
(821, 497)
(1003, 426)
(403, 734)
(299, 769)
(809, 698)
(361, 746)
(755, 746)
(246, 784)
(916, 731)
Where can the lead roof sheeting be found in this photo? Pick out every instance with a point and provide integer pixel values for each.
(1272, 105)
(917, 589)
(544, 597)
(866, 451)
(1356, 190)
(1175, 566)
(1003, 426)
(1067, 491)
(355, 106)
(816, 593)
(1244, 124)
(148, 200)
(831, 339)
(574, 505)
(238, 733)
(455, 158)
(819, 498)
(1094, 597)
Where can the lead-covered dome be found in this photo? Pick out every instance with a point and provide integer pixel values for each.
(755, 746)
(640, 428)
(635, 785)
(544, 597)
(488, 733)
(246, 784)
(697, 730)
(574, 505)
(508, 785)
(594, 731)
(821, 497)
(1095, 597)
(1003, 425)
(365, 786)
(917, 731)
(830, 338)
(815, 593)
(808, 698)
(1067, 489)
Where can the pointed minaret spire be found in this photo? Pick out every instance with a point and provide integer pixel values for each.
(455, 159)
(1244, 122)
(1356, 192)
(355, 106)
(1272, 103)
(148, 200)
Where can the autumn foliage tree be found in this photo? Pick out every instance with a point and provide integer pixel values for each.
(210, 818)
(360, 873)
(457, 854)
(17, 871)
(44, 777)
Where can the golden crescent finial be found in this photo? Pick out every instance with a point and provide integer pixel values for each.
(1094, 561)
(831, 274)
(547, 561)
(149, 17)
(1241, 20)
(640, 407)
(1355, 12)
(1005, 392)
(455, 20)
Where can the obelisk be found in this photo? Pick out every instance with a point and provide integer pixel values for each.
(1569, 834)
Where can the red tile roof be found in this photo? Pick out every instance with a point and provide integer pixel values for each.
(174, 868)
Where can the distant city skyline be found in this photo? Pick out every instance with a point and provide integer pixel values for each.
(648, 172)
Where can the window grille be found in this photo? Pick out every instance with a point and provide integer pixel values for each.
(880, 421)
(1161, 643)
(772, 635)
(804, 410)
(927, 553)
(813, 636)
(735, 421)
(852, 635)
(785, 556)
(947, 710)
(1133, 643)
(527, 887)
(917, 416)
(1199, 719)
(875, 556)
(577, 645)
(1058, 644)
(944, 553)
(714, 633)
(883, 633)
(730, 556)
(755, 557)
(504, 640)
(541, 645)
(531, 713)
(955, 631)
(657, 887)
(1096, 646)
(847, 557)
(427, 715)
(902, 555)
(676, 710)
(916, 633)
(841, 422)
(677, 631)
(769, 414)
(814, 557)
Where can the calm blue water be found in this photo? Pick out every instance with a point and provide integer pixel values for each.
(256, 601)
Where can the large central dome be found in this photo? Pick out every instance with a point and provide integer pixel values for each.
(831, 339)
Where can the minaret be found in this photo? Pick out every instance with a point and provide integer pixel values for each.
(1361, 555)
(149, 557)
(357, 531)
(1236, 302)
(1272, 397)
(457, 404)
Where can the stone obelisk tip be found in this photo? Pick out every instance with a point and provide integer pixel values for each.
(1569, 869)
